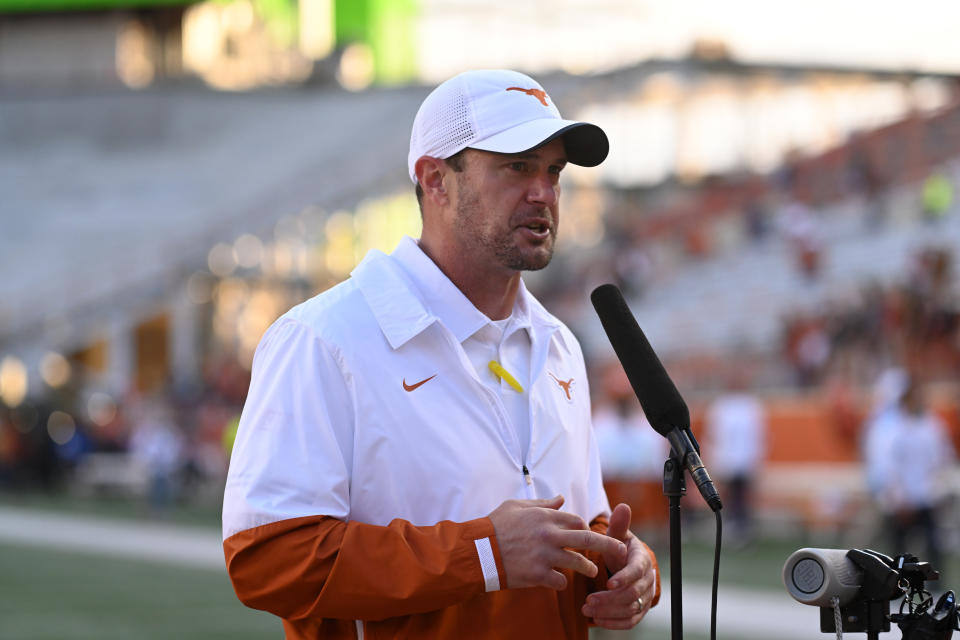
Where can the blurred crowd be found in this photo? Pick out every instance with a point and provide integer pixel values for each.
(913, 323)
(734, 210)
(173, 445)
(167, 447)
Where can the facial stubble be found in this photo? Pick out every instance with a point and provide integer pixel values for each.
(500, 244)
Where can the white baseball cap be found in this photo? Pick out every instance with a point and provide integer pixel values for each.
(501, 111)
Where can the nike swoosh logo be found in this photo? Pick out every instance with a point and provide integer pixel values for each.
(411, 387)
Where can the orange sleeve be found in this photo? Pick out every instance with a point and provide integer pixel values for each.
(599, 525)
(322, 567)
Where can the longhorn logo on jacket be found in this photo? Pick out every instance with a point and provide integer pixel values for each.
(564, 385)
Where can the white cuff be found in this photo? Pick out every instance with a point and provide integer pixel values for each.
(491, 579)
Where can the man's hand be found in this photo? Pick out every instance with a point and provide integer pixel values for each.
(631, 588)
(536, 539)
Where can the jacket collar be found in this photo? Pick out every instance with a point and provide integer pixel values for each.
(407, 292)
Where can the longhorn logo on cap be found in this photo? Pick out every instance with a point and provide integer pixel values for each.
(539, 94)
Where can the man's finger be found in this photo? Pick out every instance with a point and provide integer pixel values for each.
(631, 572)
(569, 559)
(619, 522)
(609, 603)
(619, 623)
(566, 520)
(637, 564)
(555, 580)
(594, 609)
(588, 540)
(546, 503)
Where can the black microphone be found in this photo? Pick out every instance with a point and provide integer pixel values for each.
(665, 409)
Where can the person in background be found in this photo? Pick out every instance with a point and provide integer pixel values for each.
(936, 196)
(158, 445)
(878, 430)
(632, 453)
(736, 436)
(802, 229)
(415, 458)
(919, 452)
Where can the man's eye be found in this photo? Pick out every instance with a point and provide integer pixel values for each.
(518, 166)
(556, 169)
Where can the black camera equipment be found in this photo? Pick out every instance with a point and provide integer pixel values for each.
(854, 588)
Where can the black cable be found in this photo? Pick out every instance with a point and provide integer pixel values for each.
(716, 577)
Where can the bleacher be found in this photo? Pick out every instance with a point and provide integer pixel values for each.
(709, 305)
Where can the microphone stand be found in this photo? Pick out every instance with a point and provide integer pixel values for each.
(674, 487)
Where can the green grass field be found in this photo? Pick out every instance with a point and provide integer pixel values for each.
(48, 594)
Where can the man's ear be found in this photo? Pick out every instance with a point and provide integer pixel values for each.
(430, 172)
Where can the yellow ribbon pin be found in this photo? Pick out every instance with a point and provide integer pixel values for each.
(502, 373)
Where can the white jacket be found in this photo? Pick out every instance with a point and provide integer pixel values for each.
(329, 427)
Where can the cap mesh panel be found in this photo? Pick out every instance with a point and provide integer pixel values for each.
(453, 128)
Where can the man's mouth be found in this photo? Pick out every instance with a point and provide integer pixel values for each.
(537, 226)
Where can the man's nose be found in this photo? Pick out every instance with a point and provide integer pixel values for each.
(543, 189)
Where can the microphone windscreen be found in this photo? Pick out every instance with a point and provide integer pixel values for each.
(815, 576)
(661, 402)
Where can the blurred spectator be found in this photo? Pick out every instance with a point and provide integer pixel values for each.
(936, 196)
(842, 403)
(9, 449)
(808, 348)
(757, 219)
(632, 268)
(878, 432)
(801, 228)
(736, 439)
(917, 451)
(40, 451)
(24, 457)
(159, 446)
(867, 178)
(631, 452)
(230, 435)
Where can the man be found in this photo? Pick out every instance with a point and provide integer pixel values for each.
(736, 427)
(415, 457)
(918, 453)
